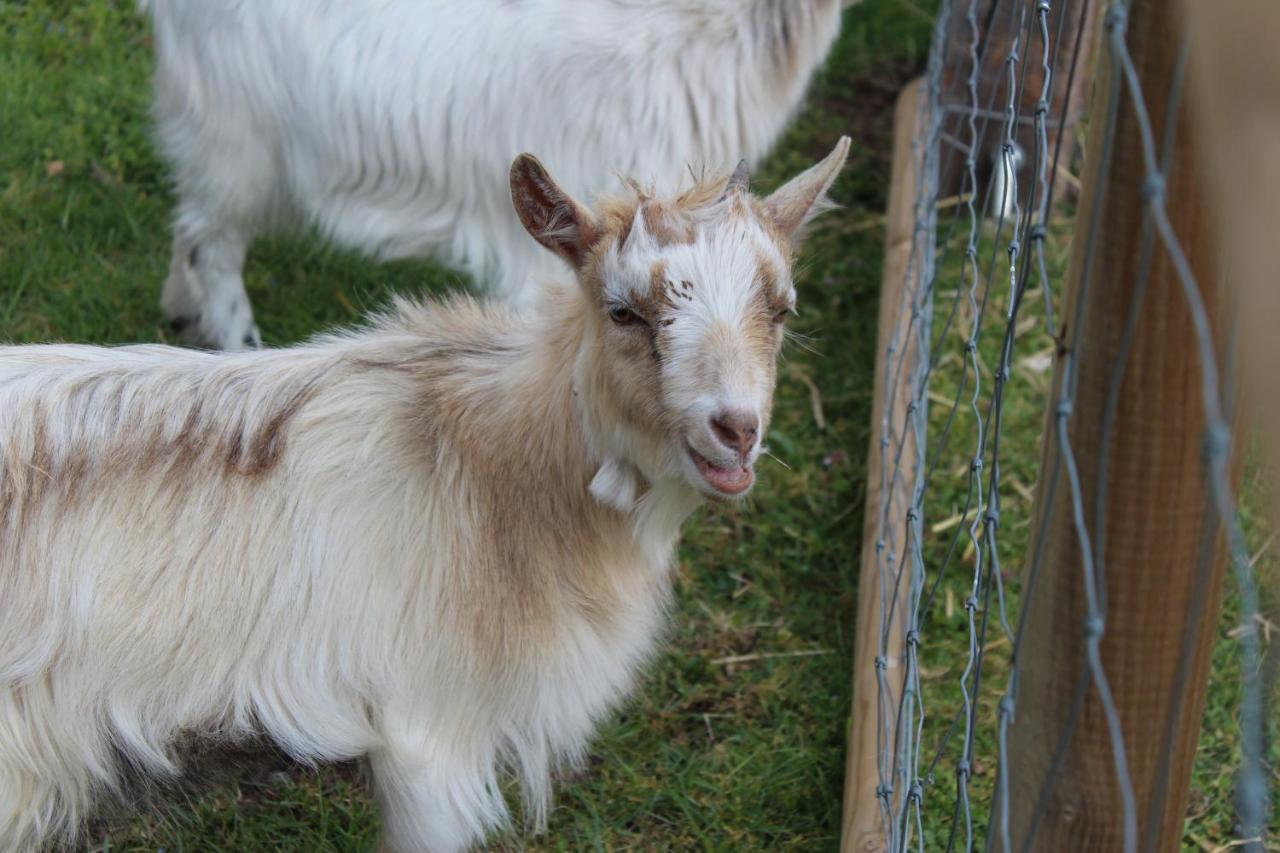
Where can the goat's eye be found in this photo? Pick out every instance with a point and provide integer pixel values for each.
(781, 317)
(626, 317)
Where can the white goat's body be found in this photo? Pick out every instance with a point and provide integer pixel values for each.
(388, 124)
(441, 545)
(290, 545)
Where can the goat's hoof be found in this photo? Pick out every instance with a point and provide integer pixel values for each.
(186, 328)
(181, 324)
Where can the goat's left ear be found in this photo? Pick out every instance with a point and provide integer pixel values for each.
(805, 196)
(548, 213)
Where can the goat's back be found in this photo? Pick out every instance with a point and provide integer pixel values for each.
(390, 125)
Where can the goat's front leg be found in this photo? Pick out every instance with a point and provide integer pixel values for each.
(432, 798)
(204, 296)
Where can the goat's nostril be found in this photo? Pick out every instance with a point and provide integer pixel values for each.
(736, 430)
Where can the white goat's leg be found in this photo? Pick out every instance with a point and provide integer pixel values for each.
(23, 800)
(430, 800)
(29, 805)
(182, 298)
(204, 297)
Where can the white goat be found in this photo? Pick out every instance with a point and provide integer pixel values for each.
(387, 124)
(441, 544)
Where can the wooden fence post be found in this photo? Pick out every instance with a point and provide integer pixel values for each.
(862, 828)
(1235, 98)
(1157, 500)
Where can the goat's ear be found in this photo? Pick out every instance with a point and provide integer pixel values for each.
(552, 218)
(805, 196)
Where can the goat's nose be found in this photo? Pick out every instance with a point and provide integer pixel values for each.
(737, 430)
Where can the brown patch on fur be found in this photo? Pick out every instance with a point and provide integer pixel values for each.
(74, 473)
(36, 474)
(262, 451)
(666, 225)
(655, 303)
(769, 288)
(702, 194)
(506, 440)
(779, 237)
(670, 223)
(658, 280)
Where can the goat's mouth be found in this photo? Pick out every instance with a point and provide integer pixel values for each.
(732, 480)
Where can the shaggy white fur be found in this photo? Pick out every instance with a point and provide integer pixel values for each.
(441, 544)
(387, 124)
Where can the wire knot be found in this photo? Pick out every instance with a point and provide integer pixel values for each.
(971, 603)
(1115, 17)
(879, 545)
(962, 770)
(1152, 189)
(1042, 108)
(1037, 232)
(881, 663)
(970, 346)
(1063, 409)
(1006, 706)
(1014, 246)
(992, 518)
(1043, 6)
(917, 792)
(884, 792)
(1093, 627)
(971, 252)
(912, 515)
(884, 441)
(913, 637)
(975, 464)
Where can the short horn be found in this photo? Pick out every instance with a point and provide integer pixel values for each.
(739, 179)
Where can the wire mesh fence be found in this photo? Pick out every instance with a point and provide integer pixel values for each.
(990, 337)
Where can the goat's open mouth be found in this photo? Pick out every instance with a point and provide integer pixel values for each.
(732, 480)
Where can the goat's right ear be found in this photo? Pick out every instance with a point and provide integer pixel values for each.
(552, 218)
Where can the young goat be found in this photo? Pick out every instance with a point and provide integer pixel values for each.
(441, 544)
(387, 125)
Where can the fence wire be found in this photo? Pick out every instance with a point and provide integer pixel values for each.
(1004, 86)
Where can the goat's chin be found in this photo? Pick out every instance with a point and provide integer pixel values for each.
(719, 482)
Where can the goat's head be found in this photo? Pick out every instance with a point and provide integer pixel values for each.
(687, 297)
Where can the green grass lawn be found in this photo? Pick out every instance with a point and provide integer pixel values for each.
(736, 739)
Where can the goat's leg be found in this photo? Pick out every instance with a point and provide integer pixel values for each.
(183, 298)
(429, 798)
(32, 807)
(204, 297)
(30, 812)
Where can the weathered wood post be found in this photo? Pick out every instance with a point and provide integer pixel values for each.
(862, 830)
(1234, 75)
(1148, 541)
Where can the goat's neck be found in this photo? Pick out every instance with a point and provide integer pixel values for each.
(627, 467)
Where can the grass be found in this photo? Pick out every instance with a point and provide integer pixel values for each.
(736, 739)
